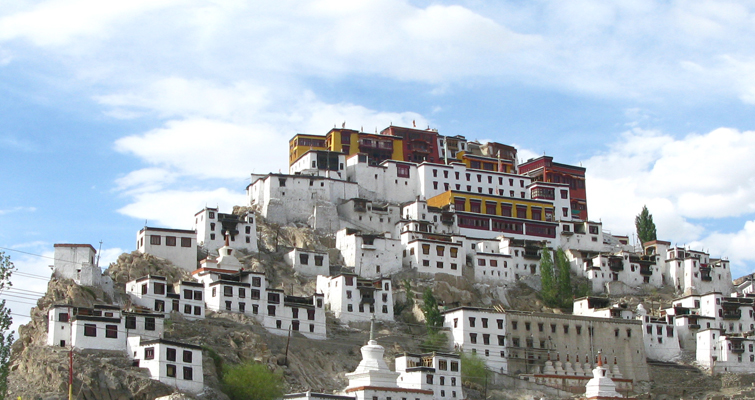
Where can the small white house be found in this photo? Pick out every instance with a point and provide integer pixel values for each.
(79, 262)
(173, 363)
(99, 328)
(154, 292)
(102, 327)
(433, 253)
(371, 255)
(178, 246)
(212, 227)
(309, 262)
(354, 299)
(439, 372)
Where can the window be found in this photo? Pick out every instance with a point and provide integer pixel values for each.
(273, 298)
(159, 305)
(319, 260)
(154, 240)
(255, 294)
(454, 366)
(471, 322)
(170, 370)
(484, 322)
(188, 294)
(111, 331)
(188, 355)
(242, 307)
(256, 281)
(197, 310)
(429, 379)
(295, 325)
(170, 354)
(188, 373)
(295, 312)
(159, 288)
(440, 250)
(185, 242)
(90, 330)
(187, 309)
(242, 293)
(514, 325)
(566, 329)
(170, 241)
(304, 259)
(130, 322)
(271, 311)
(442, 365)
(311, 314)
(501, 340)
(485, 338)
(350, 308)
(473, 338)
(527, 326)
(149, 353)
(500, 323)
(149, 323)
(425, 249)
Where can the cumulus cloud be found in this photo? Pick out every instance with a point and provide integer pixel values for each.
(17, 209)
(176, 208)
(700, 177)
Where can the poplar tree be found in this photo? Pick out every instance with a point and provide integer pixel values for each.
(645, 226)
(6, 338)
(563, 275)
(547, 278)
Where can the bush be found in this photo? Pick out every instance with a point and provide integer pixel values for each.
(252, 381)
(474, 372)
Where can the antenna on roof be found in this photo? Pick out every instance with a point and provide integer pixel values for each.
(414, 124)
(343, 125)
(97, 264)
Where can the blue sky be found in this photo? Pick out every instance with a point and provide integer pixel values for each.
(119, 112)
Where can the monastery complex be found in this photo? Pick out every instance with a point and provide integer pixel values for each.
(413, 199)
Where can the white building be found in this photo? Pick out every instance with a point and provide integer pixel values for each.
(433, 253)
(392, 181)
(300, 198)
(517, 342)
(438, 178)
(690, 269)
(328, 164)
(155, 293)
(308, 262)
(439, 372)
(371, 255)
(369, 216)
(247, 292)
(354, 299)
(213, 226)
(170, 362)
(179, 246)
(79, 262)
(723, 352)
(101, 327)
(479, 331)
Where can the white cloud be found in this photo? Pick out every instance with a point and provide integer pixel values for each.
(696, 177)
(17, 209)
(736, 246)
(145, 180)
(176, 208)
(57, 22)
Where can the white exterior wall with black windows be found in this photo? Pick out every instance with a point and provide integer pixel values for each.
(212, 226)
(309, 262)
(354, 299)
(170, 362)
(372, 255)
(433, 253)
(178, 246)
(154, 292)
(439, 372)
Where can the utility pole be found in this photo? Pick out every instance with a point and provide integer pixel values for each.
(70, 353)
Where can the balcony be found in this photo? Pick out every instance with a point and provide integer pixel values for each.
(738, 349)
(706, 278)
(646, 271)
(694, 326)
(732, 314)
(616, 265)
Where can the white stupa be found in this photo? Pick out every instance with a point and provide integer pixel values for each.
(372, 370)
(601, 386)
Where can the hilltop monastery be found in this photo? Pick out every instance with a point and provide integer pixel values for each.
(408, 198)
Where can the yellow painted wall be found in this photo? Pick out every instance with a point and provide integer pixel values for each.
(449, 196)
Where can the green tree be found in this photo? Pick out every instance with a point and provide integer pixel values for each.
(548, 285)
(474, 372)
(436, 340)
(563, 276)
(645, 226)
(252, 381)
(433, 319)
(6, 338)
